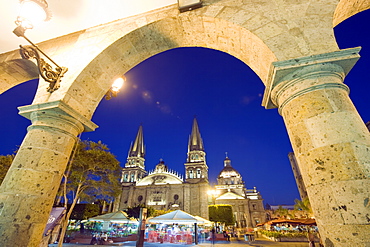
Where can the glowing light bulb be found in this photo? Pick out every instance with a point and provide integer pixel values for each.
(32, 12)
(117, 84)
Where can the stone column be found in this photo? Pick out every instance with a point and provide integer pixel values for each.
(30, 186)
(330, 141)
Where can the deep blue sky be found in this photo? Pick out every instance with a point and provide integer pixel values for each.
(226, 97)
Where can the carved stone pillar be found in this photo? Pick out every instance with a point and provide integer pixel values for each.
(30, 186)
(330, 141)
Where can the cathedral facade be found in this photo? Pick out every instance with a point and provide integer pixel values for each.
(165, 189)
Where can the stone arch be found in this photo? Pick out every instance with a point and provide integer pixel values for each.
(15, 72)
(234, 27)
(347, 8)
(96, 78)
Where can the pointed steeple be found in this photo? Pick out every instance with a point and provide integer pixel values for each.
(195, 140)
(137, 149)
(196, 169)
(135, 168)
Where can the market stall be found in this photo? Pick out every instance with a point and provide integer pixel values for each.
(115, 225)
(175, 227)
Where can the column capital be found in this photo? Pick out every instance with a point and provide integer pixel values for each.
(57, 107)
(339, 62)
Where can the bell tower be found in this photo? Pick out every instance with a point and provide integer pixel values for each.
(196, 169)
(134, 168)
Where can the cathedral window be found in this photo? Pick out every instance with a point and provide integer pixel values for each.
(191, 175)
(157, 199)
(198, 173)
(132, 178)
(140, 198)
(125, 177)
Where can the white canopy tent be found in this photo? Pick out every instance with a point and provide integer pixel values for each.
(115, 217)
(180, 217)
(177, 216)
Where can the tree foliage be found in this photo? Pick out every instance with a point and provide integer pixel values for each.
(93, 173)
(283, 213)
(5, 163)
(85, 211)
(304, 206)
(134, 212)
(160, 212)
(222, 213)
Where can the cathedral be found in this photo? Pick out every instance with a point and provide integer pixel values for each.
(166, 189)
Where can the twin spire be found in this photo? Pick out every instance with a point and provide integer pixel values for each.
(196, 168)
(137, 149)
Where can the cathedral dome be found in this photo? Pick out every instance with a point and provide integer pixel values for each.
(228, 174)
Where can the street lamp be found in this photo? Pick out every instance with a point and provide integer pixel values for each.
(116, 86)
(31, 13)
(213, 193)
(186, 5)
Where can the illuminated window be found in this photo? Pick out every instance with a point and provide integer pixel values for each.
(191, 175)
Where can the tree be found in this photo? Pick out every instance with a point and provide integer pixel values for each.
(221, 213)
(283, 213)
(160, 212)
(85, 211)
(5, 163)
(134, 212)
(304, 206)
(93, 172)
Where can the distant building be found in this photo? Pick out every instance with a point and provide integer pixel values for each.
(298, 176)
(247, 204)
(275, 207)
(165, 189)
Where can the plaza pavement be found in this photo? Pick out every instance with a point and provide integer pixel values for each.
(259, 242)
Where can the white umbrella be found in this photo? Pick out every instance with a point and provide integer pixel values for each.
(176, 216)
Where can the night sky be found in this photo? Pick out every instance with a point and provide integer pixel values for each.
(165, 92)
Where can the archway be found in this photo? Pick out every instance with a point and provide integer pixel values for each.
(79, 101)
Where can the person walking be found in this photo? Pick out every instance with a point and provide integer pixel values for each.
(311, 239)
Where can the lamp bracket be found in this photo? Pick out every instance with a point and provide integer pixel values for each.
(46, 70)
(110, 94)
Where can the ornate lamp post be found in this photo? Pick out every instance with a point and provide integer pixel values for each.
(186, 5)
(31, 13)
